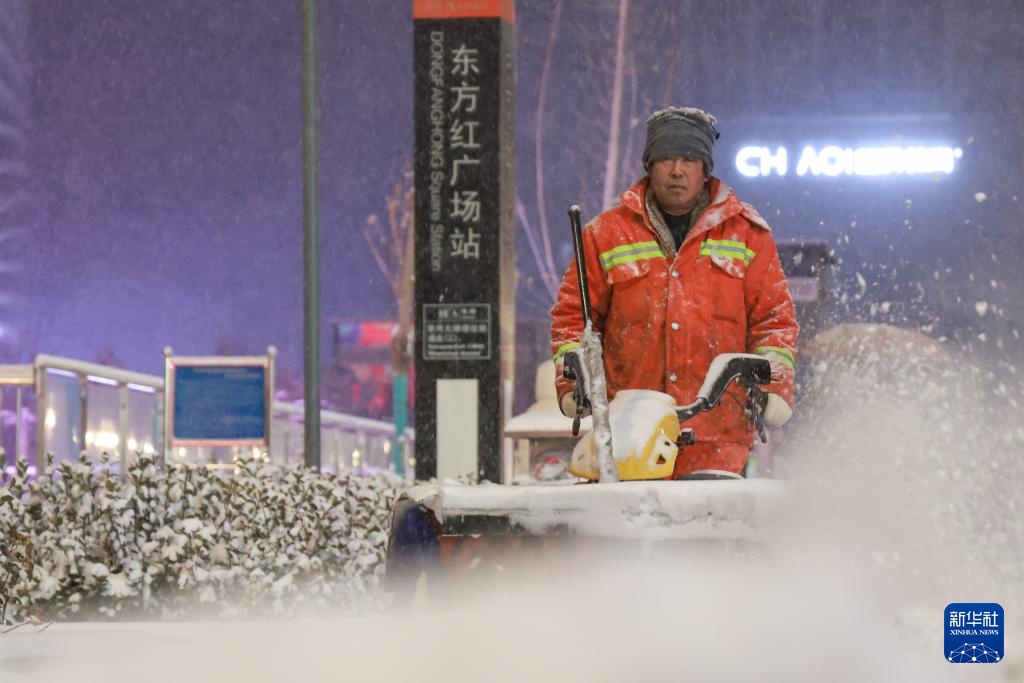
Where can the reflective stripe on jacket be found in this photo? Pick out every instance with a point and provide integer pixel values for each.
(664, 318)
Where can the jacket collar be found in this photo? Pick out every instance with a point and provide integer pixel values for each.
(660, 225)
(724, 205)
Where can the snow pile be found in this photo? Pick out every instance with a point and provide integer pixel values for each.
(80, 542)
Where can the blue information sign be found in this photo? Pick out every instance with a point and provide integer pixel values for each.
(220, 403)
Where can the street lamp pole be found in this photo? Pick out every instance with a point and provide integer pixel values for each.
(311, 239)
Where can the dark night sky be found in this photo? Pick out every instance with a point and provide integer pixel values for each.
(163, 143)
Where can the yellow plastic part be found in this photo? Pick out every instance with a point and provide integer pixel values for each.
(650, 458)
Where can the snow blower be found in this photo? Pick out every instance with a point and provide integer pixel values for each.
(446, 530)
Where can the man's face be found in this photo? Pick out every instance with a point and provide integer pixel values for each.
(676, 183)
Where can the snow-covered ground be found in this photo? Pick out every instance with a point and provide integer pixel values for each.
(684, 619)
(848, 594)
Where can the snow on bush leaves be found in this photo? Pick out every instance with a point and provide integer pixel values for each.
(79, 541)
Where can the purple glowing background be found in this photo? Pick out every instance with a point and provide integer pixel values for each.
(161, 149)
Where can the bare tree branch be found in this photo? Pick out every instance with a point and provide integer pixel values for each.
(674, 59)
(392, 247)
(391, 244)
(631, 123)
(547, 276)
(370, 233)
(548, 265)
(615, 125)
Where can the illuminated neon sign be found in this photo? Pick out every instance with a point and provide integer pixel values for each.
(832, 160)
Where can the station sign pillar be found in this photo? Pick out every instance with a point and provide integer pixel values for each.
(464, 61)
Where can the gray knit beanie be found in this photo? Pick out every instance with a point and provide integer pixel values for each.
(681, 132)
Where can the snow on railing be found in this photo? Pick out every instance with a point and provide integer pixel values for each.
(99, 372)
(356, 443)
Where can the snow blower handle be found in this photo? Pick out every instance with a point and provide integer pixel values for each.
(747, 369)
(757, 399)
(573, 368)
(581, 264)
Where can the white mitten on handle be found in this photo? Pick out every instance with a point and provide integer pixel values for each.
(568, 406)
(776, 411)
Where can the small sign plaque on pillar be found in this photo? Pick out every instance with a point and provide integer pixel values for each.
(465, 234)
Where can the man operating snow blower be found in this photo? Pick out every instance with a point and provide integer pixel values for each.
(680, 272)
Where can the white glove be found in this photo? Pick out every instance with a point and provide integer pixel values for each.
(776, 411)
(568, 406)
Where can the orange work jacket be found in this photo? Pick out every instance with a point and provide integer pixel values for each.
(663, 318)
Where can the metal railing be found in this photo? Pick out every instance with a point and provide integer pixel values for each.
(16, 409)
(81, 406)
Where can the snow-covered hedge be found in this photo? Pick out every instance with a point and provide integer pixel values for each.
(80, 542)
